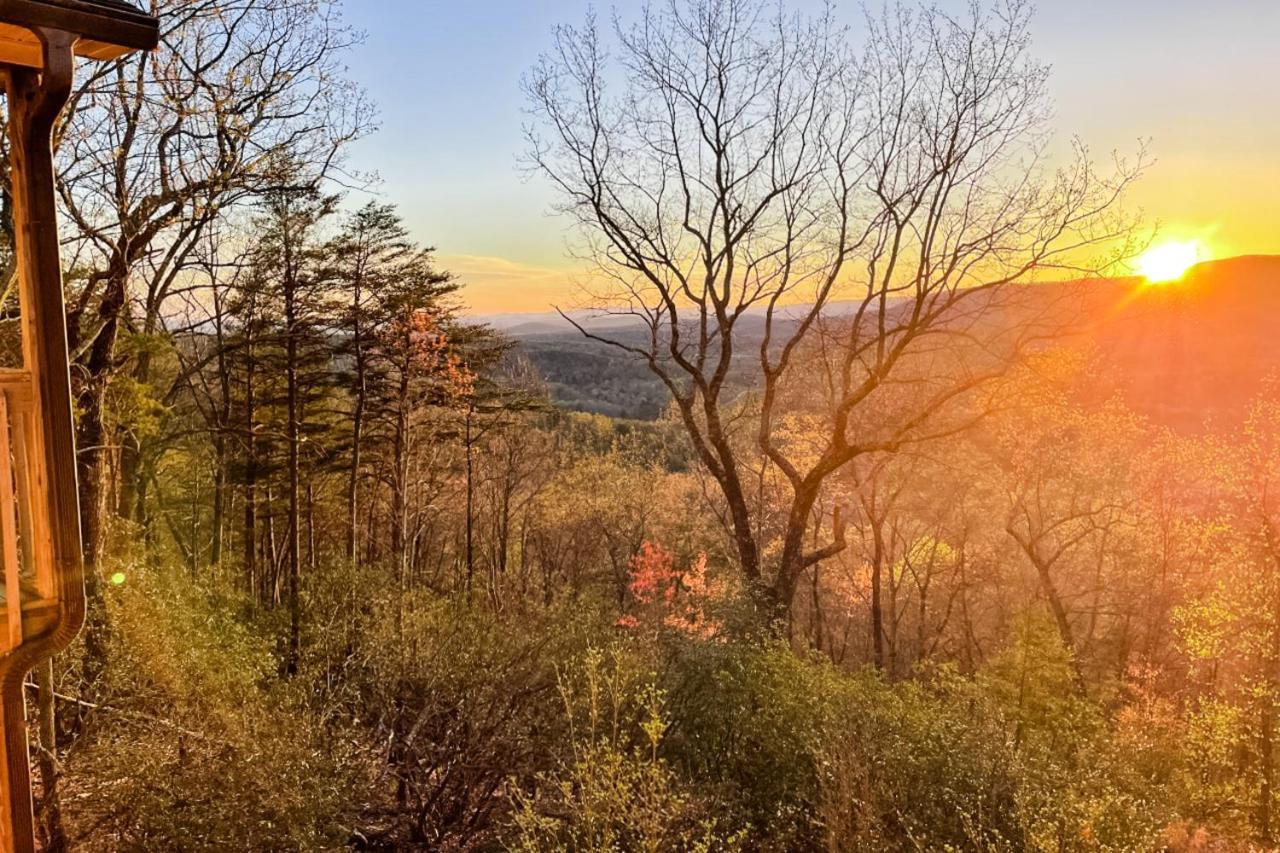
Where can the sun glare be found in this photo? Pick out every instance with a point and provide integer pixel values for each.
(1169, 261)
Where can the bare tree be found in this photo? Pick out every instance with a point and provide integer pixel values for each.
(750, 190)
(1068, 498)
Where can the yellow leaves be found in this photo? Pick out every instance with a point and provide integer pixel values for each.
(1206, 627)
(1214, 731)
(924, 552)
(654, 725)
(804, 436)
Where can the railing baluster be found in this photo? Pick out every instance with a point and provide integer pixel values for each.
(9, 532)
(20, 422)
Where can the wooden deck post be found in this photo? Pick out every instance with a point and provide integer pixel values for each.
(36, 98)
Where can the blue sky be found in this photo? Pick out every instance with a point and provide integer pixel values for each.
(1198, 78)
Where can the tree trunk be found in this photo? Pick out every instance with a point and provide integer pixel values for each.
(471, 549)
(50, 816)
(271, 553)
(127, 506)
(223, 423)
(353, 483)
(400, 476)
(219, 498)
(877, 587)
(292, 437)
(311, 526)
(791, 563)
(357, 434)
(251, 571)
(97, 367)
(1059, 610)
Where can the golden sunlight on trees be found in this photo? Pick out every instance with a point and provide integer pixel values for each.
(736, 167)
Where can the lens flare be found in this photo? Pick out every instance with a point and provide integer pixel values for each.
(1169, 261)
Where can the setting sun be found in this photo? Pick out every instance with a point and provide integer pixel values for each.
(1170, 261)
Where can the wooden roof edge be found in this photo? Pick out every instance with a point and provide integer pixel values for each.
(107, 21)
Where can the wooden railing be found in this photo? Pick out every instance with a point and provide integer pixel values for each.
(24, 547)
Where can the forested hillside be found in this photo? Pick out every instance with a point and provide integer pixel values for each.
(865, 535)
(592, 377)
(1191, 354)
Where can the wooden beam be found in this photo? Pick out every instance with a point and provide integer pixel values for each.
(36, 98)
(110, 23)
(19, 46)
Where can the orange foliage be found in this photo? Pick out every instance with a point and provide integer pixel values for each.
(663, 596)
(428, 353)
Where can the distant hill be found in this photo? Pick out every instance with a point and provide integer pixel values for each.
(1187, 353)
(589, 376)
(1194, 351)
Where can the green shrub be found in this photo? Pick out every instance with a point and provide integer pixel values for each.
(198, 745)
(615, 791)
(1014, 758)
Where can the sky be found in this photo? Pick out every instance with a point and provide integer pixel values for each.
(1197, 78)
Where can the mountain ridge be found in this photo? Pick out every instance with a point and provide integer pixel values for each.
(1187, 353)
